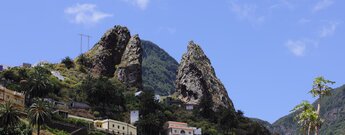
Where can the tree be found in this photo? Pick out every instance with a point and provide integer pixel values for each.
(101, 88)
(320, 89)
(68, 62)
(206, 106)
(9, 117)
(10, 75)
(147, 103)
(38, 84)
(307, 117)
(149, 124)
(39, 114)
(151, 116)
(227, 120)
(82, 89)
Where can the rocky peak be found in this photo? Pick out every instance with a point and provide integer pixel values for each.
(129, 71)
(108, 51)
(196, 76)
(117, 54)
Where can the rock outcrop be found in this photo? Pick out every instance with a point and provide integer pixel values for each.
(196, 77)
(118, 55)
(129, 71)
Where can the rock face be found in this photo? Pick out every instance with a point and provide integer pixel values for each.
(196, 76)
(129, 70)
(118, 55)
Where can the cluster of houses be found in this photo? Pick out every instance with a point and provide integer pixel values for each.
(25, 65)
(105, 125)
(5, 67)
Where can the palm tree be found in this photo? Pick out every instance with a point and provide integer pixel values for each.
(37, 85)
(39, 114)
(9, 116)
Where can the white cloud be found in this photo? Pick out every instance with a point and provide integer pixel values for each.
(247, 12)
(322, 4)
(299, 47)
(142, 4)
(85, 14)
(328, 30)
(296, 47)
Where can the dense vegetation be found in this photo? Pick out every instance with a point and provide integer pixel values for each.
(221, 122)
(159, 69)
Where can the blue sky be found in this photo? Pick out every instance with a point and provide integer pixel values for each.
(265, 52)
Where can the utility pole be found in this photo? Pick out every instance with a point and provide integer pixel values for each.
(81, 42)
(88, 41)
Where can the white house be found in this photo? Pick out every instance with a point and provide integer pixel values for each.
(115, 127)
(180, 128)
(134, 116)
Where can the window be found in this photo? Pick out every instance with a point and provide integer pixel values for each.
(113, 125)
(183, 132)
(123, 128)
(175, 131)
(118, 127)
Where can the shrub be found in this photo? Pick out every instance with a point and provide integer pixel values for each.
(68, 62)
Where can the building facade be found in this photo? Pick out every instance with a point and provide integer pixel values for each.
(16, 98)
(180, 128)
(115, 127)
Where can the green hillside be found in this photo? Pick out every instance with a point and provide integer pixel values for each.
(159, 69)
(332, 111)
